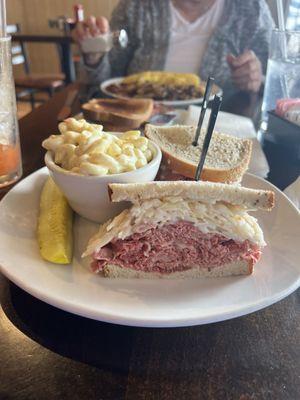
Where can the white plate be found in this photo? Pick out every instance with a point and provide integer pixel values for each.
(155, 303)
(174, 103)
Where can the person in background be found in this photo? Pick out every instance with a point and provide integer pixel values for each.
(226, 39)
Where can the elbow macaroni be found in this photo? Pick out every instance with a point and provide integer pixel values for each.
(84, 148)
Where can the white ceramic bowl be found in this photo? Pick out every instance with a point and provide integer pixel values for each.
(88, 195)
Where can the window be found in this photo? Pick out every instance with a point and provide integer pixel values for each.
(293, 16)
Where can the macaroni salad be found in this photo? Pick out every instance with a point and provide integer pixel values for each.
(84, 148)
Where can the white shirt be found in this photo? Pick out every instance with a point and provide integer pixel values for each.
(188, 40)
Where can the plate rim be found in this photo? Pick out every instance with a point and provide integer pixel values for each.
(156, 322)
(174, 103)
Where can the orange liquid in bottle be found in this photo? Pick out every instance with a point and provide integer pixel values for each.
(9, 159)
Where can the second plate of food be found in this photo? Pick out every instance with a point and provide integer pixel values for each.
(115, 88)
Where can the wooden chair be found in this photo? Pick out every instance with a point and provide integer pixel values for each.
(29, 84)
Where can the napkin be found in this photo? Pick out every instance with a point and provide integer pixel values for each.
(293, 192)
(233, 125)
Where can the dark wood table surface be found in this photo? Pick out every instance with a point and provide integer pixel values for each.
(46, 353)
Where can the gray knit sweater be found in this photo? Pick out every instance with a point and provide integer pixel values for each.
(245, 24)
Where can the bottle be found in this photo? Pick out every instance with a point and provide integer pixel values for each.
(78, 13)
(70, 23)
(10, 152)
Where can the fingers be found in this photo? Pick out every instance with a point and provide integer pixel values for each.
(249, 82)
(246, 71)
(102, 24)
(238, 61)
(247, 86)
(230, 59)
(79, 32)
(242, 82)
(92, 26)
(249, 70)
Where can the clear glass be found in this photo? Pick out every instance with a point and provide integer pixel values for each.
(283, 72)
(10, 154)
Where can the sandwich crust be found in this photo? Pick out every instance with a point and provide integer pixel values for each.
(235, 268)
(206, 192)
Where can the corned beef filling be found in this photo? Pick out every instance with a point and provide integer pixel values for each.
(173, 247)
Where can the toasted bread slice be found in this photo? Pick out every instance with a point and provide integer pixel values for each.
(118, 113)
(226, 161)
(241, 267)
(206, 192)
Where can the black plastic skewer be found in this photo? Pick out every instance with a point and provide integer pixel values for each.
(208, 88)
(212, 121)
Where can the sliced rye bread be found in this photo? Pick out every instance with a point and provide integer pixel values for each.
(227, 158)
(241, 267)
(206, 192)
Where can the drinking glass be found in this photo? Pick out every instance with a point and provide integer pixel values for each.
(283, 71)
(10, 154)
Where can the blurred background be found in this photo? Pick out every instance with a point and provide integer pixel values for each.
(33, 18)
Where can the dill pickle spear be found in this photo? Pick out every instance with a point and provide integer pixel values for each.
(54, 229)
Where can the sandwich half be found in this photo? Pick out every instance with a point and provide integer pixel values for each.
(226, 161)
(180, 230)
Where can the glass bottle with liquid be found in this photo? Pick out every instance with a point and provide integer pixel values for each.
(10, 154)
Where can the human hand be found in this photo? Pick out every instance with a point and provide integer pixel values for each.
(90, 27)
(246, 71)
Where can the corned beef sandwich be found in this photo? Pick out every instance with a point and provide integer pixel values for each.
(180, 230)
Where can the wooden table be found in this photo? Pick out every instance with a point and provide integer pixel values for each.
(46, 353)
(63, 44)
